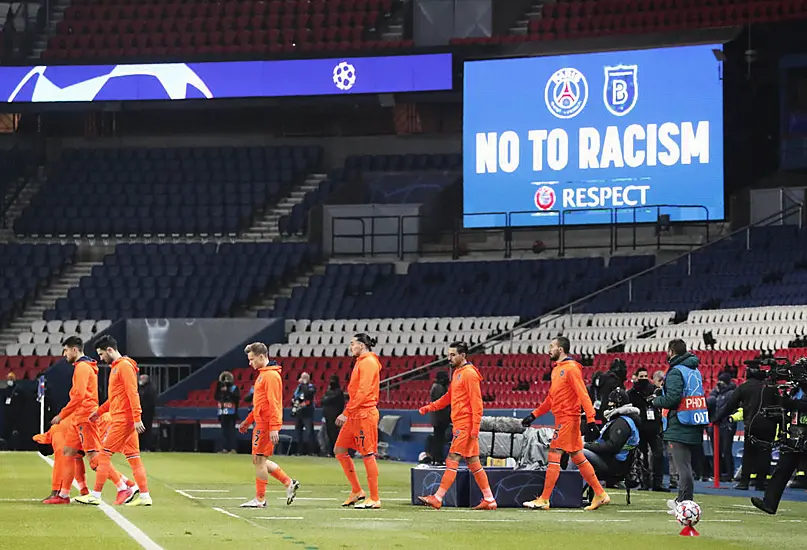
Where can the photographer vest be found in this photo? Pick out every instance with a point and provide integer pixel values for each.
(692, 409)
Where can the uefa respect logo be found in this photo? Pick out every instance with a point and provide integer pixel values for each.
(566, 93)
(175, 79)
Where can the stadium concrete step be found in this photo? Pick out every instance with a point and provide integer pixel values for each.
(533, 12)
(266, 228)
(46, 300)
(268, 303)
(56, 15)
(20, 203)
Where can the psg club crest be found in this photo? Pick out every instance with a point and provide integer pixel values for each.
(545, 198)
(621, 89)
(566, 93)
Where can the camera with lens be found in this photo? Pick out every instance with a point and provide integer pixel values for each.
(789, 380)
(295, 407)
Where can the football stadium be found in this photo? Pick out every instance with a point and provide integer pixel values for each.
(322, 274)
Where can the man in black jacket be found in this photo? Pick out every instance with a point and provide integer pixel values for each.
(148, 403)
(752, 395)
(789, 458)
(651, 444)
(333, 403)
(227, 396)
(608, 382)
(302, 408)
(441, 420)
(610, 452)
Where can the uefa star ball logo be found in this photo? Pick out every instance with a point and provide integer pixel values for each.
(344, 76)
(566, 93)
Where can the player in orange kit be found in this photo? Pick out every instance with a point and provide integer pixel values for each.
(267, 413)
(465, 397)
(52, 443)
(123, 405)
(567, 394)
(359, 422)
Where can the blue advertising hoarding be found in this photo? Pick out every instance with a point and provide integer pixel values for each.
(236, 79)
(593, 138)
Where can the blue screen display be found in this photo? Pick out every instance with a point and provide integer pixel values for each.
(593, 138)
(226, 79)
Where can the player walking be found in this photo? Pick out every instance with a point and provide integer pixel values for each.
(267, 414)
(465, 397)
(567, 393)
(123, 405)
(359, 422)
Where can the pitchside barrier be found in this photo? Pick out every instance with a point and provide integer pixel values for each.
(510, 487)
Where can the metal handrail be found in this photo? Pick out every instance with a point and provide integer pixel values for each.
(782, 214)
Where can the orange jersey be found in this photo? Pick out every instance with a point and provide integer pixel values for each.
(267, 401)
(84, 393)
(47, 437)
(123, 402)
(465, 397)
(364, 386)
(567, 393)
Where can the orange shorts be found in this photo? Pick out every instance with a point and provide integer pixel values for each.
(463, 444)
(83, 437)
(567, 436)
(360, 434)
(261, 442)
(121, 437)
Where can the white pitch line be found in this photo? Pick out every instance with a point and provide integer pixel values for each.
(370, 518)
(186, 495)
(226, 513)
(222, 498)
(131, 529)
(20, 500)
(279, 517)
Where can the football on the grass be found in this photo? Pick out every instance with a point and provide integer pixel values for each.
(688, 513)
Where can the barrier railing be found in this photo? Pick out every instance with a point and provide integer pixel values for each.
(626, 283)
(507, 224)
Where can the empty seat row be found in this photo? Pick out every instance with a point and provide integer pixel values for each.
(427, 324)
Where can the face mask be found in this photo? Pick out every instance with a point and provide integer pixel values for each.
(643, 386)
(10, 383)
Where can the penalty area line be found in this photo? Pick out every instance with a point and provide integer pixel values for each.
(131, 529)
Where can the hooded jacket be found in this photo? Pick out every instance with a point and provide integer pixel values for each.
(267, 402)
(673, 393)
(611, 380)
(614, 438)
(650, 415)
(84, 391)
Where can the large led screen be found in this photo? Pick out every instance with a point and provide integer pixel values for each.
(593, 138)
(226, 79)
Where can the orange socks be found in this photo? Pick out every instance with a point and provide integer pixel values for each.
(587, 471)
(80, 473)
(552, 474)
(350, 472)
(68, 473)
(281, 476)
(448, 478)
(481, 479)
(139, 473)
(102, 472)
(260, 488)
(371, 467)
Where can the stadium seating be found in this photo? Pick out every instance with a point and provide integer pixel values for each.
(123, 28)
(47, 336)
(435, 169)
(186, 191)
(525, 288)
(572, 19)
(181, 280)
(25, 368)
(26, 268)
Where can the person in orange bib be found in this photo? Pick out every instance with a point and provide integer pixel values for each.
(567, 394)
(359, 423)
(465, 397)
(125, 422)
(267, 414)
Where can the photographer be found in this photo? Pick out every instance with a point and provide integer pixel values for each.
(333, 403)
(651, 444)
(608, 382)
(302, 408)
(752, 395)
(794, 448)
(227, 395)
(620, 435)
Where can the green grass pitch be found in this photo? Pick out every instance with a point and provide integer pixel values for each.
(196, 498)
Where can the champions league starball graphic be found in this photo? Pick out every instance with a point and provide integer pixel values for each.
(174, 79)
(227, 79)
